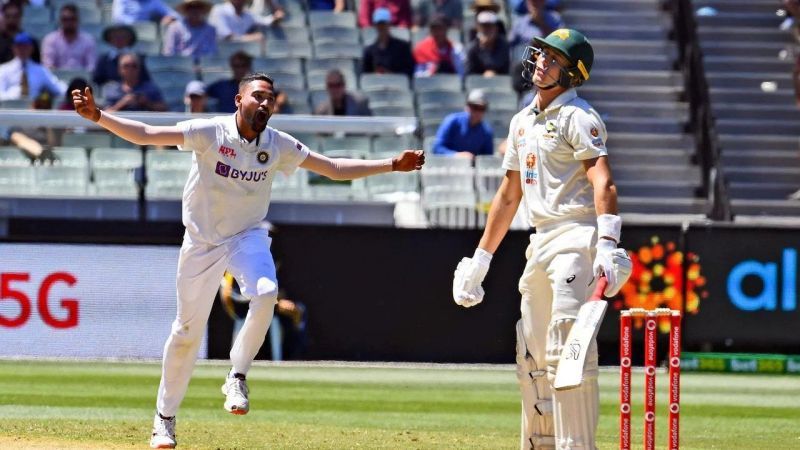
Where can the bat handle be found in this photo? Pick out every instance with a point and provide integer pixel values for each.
(602, 283)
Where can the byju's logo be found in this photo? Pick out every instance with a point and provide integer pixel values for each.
(223, 169)
(767, 299)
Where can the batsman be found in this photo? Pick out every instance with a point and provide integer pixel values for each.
(556, 164)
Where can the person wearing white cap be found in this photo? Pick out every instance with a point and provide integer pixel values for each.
(195, 97)
(488, 54)
(465, 134)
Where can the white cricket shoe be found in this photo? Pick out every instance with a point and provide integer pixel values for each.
(163, 433)
(235, 390)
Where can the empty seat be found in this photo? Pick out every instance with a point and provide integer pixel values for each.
(497, 83)
(441, 82)
(113, 171)
(444, 99)
(390, 98)
(166, 172)
(157, 63)
(13, 157)
(227, 48)
(374, 81)
(344, 35)
(61, 180)
(268, 65)
(16, 180)
(337, 49)
(86, 140)
(385, 185)
(320, 19)
(356, 143)
(450, 208)
(392, 111)
(293, 187)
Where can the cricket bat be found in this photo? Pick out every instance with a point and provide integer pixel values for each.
(569, 373)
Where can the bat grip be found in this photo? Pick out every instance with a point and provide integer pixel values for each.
(602, 283)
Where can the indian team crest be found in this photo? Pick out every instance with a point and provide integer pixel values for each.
(263, 157)
(594, 132)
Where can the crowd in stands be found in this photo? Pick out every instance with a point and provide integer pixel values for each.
(109, 46)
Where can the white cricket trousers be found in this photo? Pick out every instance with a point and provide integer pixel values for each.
(200, 269)
(554, 285)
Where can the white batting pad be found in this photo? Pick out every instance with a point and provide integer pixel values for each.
(536, 430)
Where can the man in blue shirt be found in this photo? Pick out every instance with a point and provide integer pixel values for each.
(465, 134)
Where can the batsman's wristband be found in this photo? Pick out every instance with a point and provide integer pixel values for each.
(609, 225)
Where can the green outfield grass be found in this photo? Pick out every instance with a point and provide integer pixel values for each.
(110, 405)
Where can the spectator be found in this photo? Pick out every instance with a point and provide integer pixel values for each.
(488, 54)
(326, 5)
(195, 97)
(66, 102)
(539, 22)
(400, 9)
(192, 35)
(387, 54)
(131, 11)
(267, 12)
(34, 141)
(9, 27)
(69, 47)
(132, 93)
(479, 6)
(282, 103)
(465, 134)
(121, 38)
(453, 10)
(340, 102)
(22, 78)
(520, 7)
(436, 53)
(224, 91)
(234, 23)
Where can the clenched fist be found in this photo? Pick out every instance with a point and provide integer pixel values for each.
(84, 104)
(408, 160)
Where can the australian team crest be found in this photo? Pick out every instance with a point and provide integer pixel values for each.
(263, 157)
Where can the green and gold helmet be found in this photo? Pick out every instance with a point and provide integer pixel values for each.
(573, 45)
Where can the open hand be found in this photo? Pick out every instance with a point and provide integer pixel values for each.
(408, 160)
(84, 104)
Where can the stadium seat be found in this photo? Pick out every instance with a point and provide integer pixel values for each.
(337, 49)
(60, 180)
(392, 111)
(383, 186)
(390, 98)
(393, 144)
(289, 33)
(337, 34)
(158, 63)
(348, 143)
(497, 83)
(166, 171)
(278, 49)
(319, 19)
(86, 140)
(293, 187)
(375, 82)
(450, 208)
(113, 171)
(288, 80)
(16, 180)
(442, 82)
(227, 48)
(343, 64)
(269, 65)
(13, 157)
(443, 99)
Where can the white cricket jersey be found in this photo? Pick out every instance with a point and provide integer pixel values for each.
(230, 181)
(547, 148)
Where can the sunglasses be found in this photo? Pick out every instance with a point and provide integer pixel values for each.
(476, 107)
(335, 85)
